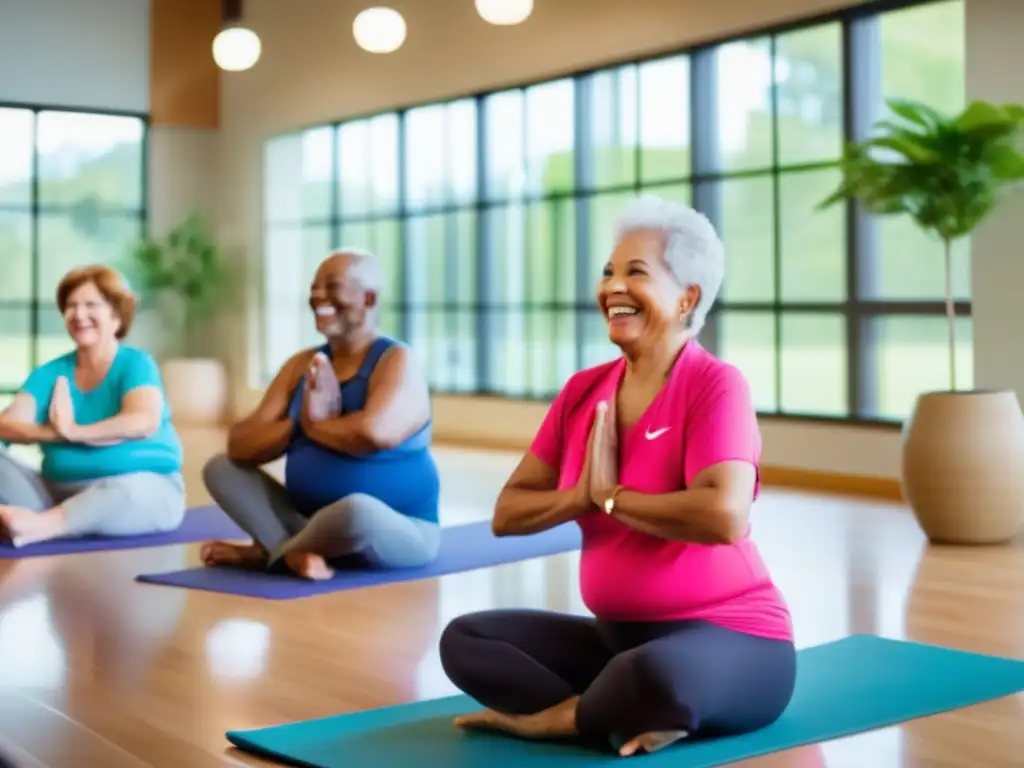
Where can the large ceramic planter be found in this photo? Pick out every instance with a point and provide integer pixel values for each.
(196, 390)
(963, 466)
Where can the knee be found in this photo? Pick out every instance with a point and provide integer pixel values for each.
(670, 689)
(175, 516)
(163, 497)
(170, 522)
(355, 513)
(456, 647)
(219, 470)
(358, 505)
(668, 681)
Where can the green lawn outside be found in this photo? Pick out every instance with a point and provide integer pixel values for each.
(15, 352)
(909, 358)
(534, 353)
(813, 375)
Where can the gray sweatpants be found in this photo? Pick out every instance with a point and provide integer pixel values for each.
(121, 505)
(357, 524)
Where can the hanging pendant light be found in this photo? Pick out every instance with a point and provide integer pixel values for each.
(504, 12)
(236, 48)
(379, 30)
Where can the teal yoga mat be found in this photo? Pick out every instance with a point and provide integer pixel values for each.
(849, 686)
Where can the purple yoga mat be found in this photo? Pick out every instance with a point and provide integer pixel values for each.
(463, 548)
(200, 524)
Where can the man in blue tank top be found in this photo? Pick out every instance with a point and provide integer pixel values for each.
(352, 418)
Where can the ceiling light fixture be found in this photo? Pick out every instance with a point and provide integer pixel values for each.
(504, 12)
(379, 30)
(235, 48)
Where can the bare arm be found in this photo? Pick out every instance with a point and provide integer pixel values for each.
(530, 502)
(264, 435)
(18, 423)
(397, 406)
(139, 417)
(720, 466)
(715, 510)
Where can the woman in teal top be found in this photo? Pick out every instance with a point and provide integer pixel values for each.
(111, 458)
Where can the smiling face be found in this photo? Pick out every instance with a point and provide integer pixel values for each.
(339, 301)
(89, 317)
(638, 294)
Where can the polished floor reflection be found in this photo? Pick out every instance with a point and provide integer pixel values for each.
(96, 670)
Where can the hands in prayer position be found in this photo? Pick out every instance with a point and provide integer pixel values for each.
(604, 458)
(62, 411)
(600, 473)
(62, 417)
(322, 398)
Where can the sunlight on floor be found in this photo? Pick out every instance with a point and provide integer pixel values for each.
(237, 649)
(31, 657)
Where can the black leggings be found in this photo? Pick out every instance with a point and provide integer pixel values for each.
(631, 678)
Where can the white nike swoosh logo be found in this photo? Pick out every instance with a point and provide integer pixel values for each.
(656, 434)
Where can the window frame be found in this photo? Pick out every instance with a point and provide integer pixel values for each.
(36, 210)
(860, 53)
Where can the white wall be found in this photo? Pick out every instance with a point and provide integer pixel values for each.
(182, 165)
(182, 179)
(995, 60)
(88, 54)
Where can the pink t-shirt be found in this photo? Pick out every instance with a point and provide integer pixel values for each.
(704, 415)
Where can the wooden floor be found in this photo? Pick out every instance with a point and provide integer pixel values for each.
(96, 670)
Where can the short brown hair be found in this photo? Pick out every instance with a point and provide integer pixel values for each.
(111, 285)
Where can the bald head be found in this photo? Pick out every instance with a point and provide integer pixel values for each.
(344, 293)
(355, 265)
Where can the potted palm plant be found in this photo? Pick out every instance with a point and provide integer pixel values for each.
(183, 276)
(962, 458)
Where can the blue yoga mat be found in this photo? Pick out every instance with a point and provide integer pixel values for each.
(853, 685)
(463, 548)
(200, 524)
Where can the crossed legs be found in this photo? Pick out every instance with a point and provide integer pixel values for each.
(633, 686)
(33, 510)
(357, 525)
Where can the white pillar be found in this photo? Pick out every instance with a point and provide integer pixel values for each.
(995, 60)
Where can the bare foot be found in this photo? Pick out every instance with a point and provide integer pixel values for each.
(557, 722)
(227, 553)
(24, 526)
(309, 566)
(651, 742)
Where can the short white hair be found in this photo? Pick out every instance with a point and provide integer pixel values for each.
(693, 251)
(365, 267)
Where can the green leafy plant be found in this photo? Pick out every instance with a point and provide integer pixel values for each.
(948, 173)
(185, 277)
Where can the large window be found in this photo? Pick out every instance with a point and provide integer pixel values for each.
(72, 192)
(493, 215)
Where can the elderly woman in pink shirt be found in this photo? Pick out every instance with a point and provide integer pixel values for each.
(655, 456)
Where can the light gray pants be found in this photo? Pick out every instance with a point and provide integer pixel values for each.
(357, 524)
(122, 505)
